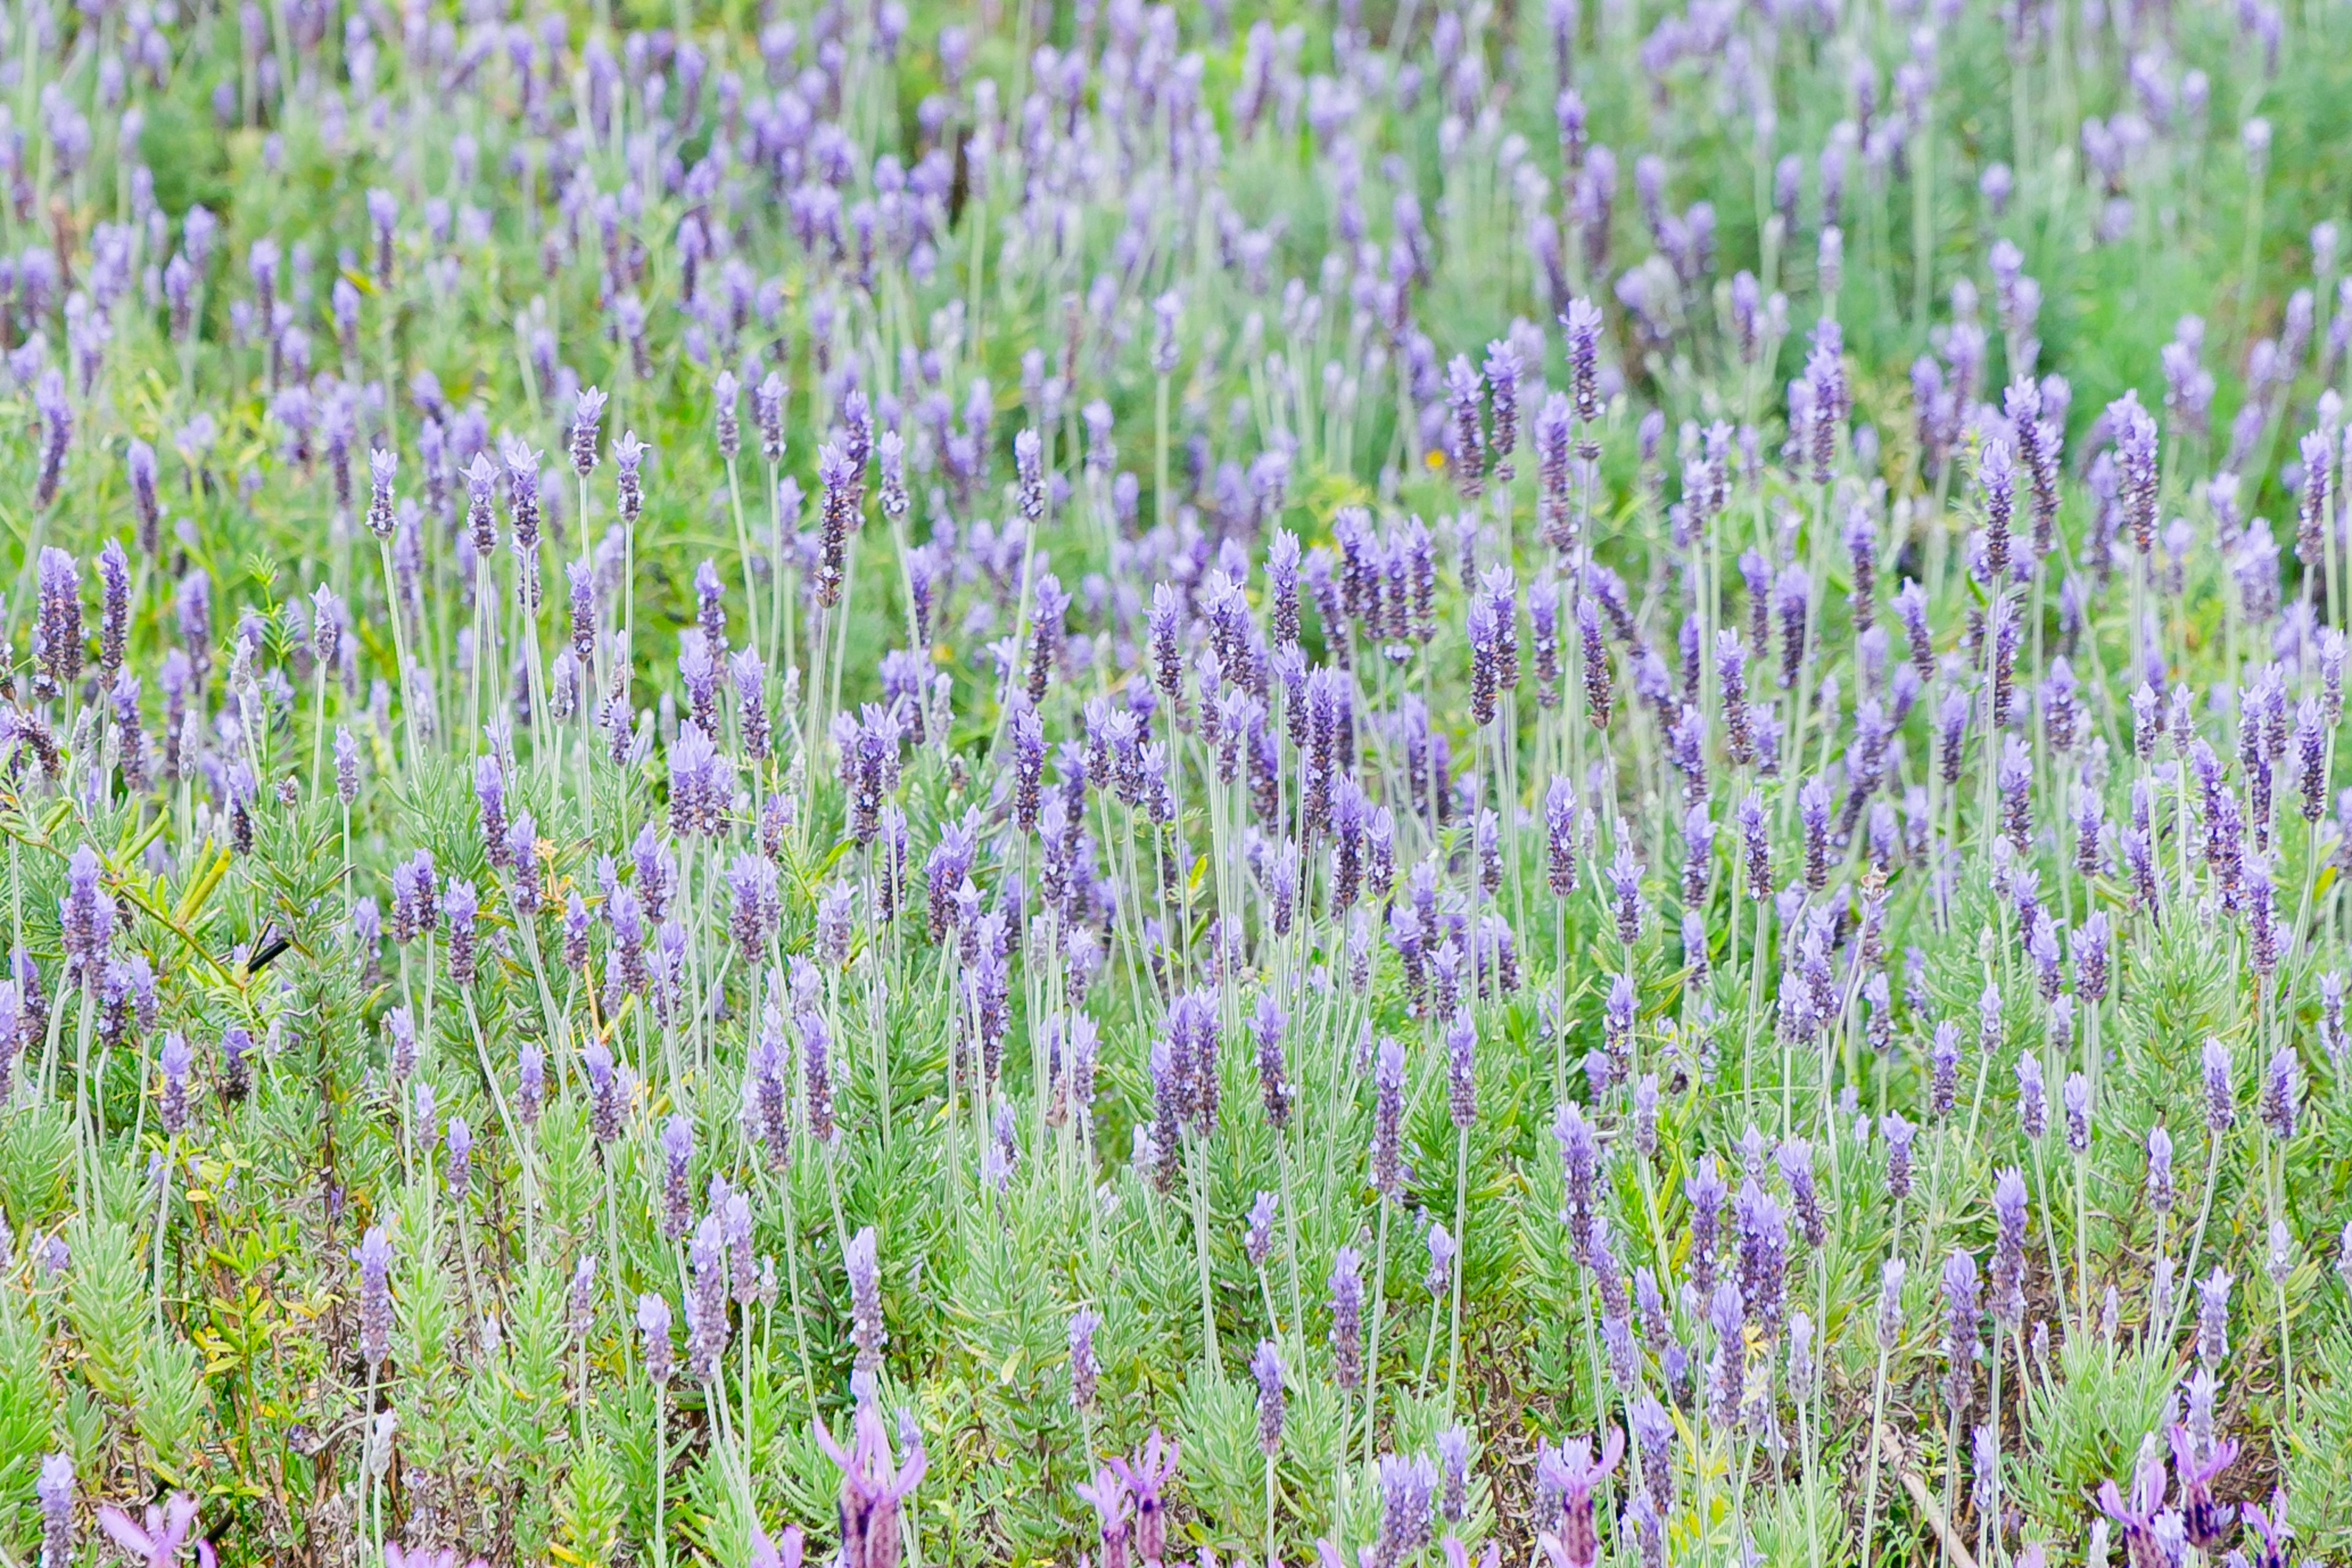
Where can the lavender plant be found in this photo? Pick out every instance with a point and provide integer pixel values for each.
(1528, 784)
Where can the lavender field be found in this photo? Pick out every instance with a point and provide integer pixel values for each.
(1062, 781)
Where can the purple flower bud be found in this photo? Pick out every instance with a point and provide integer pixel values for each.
(1346, 1319)
(176, 1059)
(1406, 1485)
(816, 1040)
(2009, 1201)
(1387, 1111)
(1461, 1091)
(86, 916)
(459, 1147)
(1265, 1365)
(652, 1331)
(2282, 1094)
(2213, 1318)
(2221, 1103)
(677, 1189)
(1762, 1259)
(587, 419)
(2033, 1102)
(866, 1330)
(55, 1491)
(531, 1084)
(460, 905)
(1560, 816)
(1889, 1320)
(139, 463)
(628, 453)
(1085, 1369)
(725, 418)
(2076, 1097)
(1266, 1024)
(382, 464)
(375, 1299)
(1961, 1317)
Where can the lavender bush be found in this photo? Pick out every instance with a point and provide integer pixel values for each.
(1136, 785)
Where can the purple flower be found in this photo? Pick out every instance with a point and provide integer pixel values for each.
(1405, 1484)
(1084, 1366)
(2009, 1201)
(1266, 1024)
(1346, 1286)
(375, 1299)
(2271, 1526)
(706, 1301)
(175, 1060)
(1583, 323)
(1795, 1158)
(2207, 1521)
(161, 1540)
(1108, 1496)
(628, 455)
(785, 1553)
(2135, 468)
(2220, 1102)
(57, 427)
(1626, 894)
(605, 1091)
(86, 916)
(55, 1489)
(1462, 1089)
(1439, 1278)
(767, 412)
(1899, 1134)
(652, 1331)
(724, 417)
(2138, 1514)
(1146, 1478)
(460, 905)
(2159, 1169)
(57, 630)
(816, 1040)
(677, 1189)
(866, 1331)
(458, 1142)
(1575, 1543)
(2213, 1318)
(1265, 1365)
(1596, 662)
(2282, 1094)
(2076, 1097)
(1387, 1111)
(1762, 1261)
(587, 418)
(1961, 1315)
(2032, 1102)
(1559, 819)
(1889, 1320)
